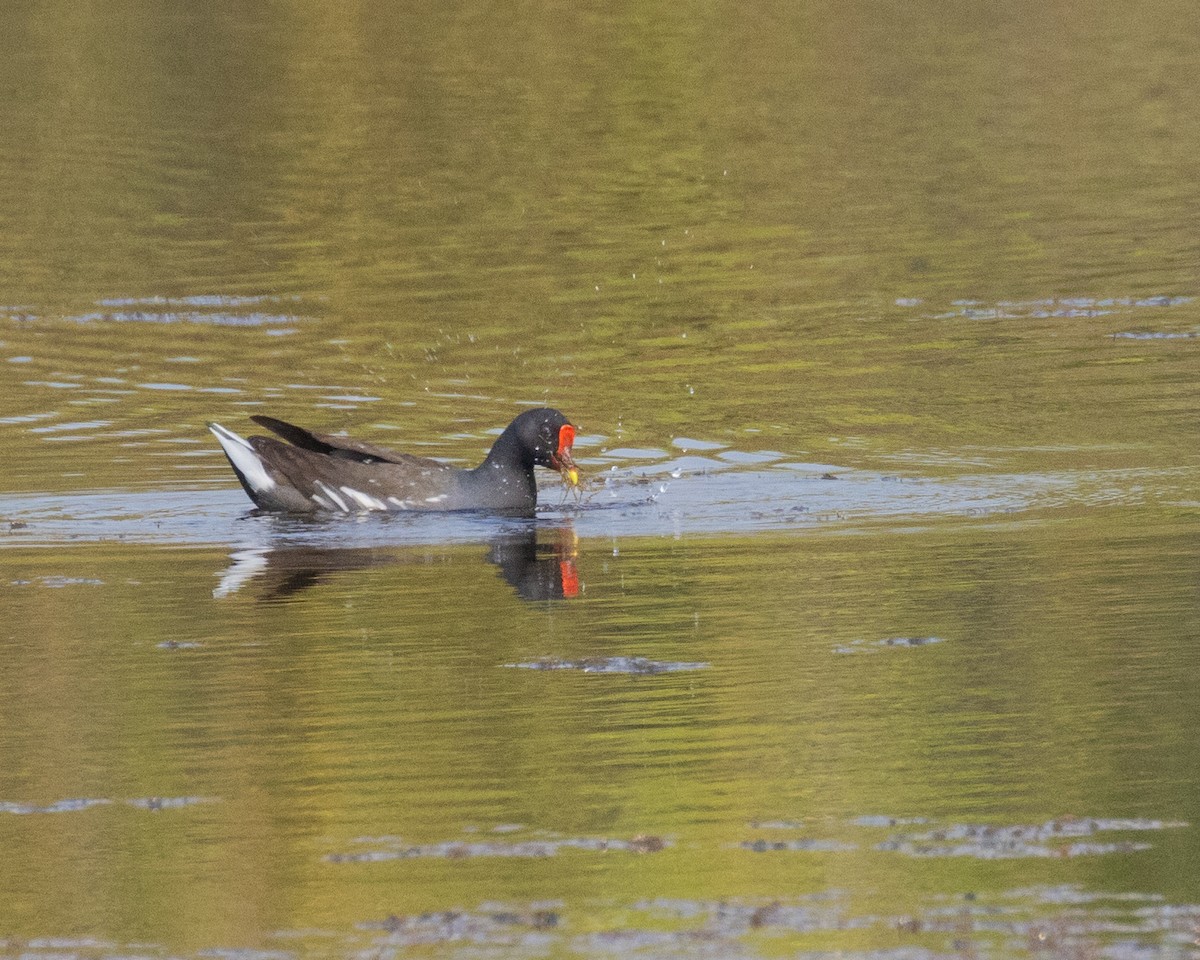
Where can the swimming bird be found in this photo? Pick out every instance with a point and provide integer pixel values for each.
(307, 472)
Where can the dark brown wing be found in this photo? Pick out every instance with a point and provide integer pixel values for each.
(305, 477)
(341, 448)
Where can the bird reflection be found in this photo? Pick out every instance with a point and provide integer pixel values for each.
(536, 567)
(538, 571)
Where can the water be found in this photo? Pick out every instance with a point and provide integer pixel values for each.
(873, 631)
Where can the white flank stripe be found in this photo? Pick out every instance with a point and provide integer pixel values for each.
(333, 496)
(364, 500)
(245, 458)
(402, 504)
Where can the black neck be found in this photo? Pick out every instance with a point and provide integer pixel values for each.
(508, 452)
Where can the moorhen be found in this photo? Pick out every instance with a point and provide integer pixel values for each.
(316, 471)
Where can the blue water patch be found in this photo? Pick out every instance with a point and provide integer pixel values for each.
(637, 666)
(679, 498)
(1155, 335)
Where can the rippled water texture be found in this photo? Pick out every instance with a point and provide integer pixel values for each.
(873, 629)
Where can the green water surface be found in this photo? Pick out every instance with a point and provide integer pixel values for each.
(875, 631)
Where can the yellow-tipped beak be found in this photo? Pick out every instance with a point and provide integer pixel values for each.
(573, 476)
